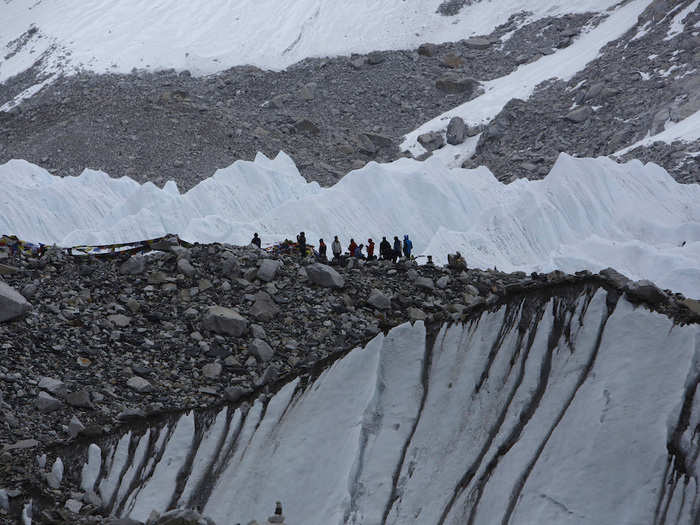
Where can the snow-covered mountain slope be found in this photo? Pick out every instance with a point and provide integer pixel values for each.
(205, 37)
(586, 214)
(542, 411)
(563, 64)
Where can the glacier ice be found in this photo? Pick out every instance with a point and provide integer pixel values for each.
(573, 408)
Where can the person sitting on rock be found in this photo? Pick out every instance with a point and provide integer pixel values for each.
(407, 247)
(352, 247)
(358, 252)
(456, 261)
(397, 250)
(301, 242)
(256, 240)
(385, 249)
(337, 250)
(370, 250)
(322, 250)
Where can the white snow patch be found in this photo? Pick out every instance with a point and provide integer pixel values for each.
(641, 32)
(677, 26)
(521, 83)
(207, 37)
(667, 73)
(687, 130)
(27, 93)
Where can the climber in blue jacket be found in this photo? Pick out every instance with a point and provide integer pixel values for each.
(407, 247)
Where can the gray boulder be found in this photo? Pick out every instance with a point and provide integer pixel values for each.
(307, 127)
(375, 57)
(693, 305)
(12, 303)
(324, 275)
(453, 83)
(79, 399)
(645, 291)
(185, 267)
(183, 517)
(75, 427)
(264, 308)
(212, 370)
(119, 320)
(234, 393)
(477, 43)
(427, 50)
(268, 270)
(425, 283)
(442, 282)
(431, 141)
(456, 131)
(378, 300)
(231, 267)
(134, 265)
(616, 278)
(139, 384)
(416, 314)
(222, 320)
(47, 403)
(261, 350)
(579, 115)
(52, 386)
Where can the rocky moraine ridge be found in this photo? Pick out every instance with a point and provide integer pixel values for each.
(92, 344)
(335, 114)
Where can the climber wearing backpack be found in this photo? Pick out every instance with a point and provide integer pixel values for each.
(397, 250)
(385, 249)
(337, 250)
(407, 247)
(370, 250)
(352, 247)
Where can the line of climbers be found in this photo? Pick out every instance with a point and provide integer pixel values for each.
(387, 252)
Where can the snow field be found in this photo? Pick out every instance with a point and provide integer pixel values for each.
(207, 37)
(586, 214)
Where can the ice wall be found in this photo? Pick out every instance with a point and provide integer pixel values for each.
(586, 214)
(572, 408)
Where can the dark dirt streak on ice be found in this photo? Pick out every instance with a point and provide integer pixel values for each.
(218, 463)
(432, 332)
(677, 463)
(515, 495)
(201, 424)
(142, 476)
(561, 309)
(534, 319)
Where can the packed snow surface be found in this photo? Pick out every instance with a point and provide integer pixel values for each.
(521, 83)
(209, 36)
(586, 214)
(566, 410)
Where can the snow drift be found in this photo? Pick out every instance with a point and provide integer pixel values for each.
(571, 408)
(586, 214)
